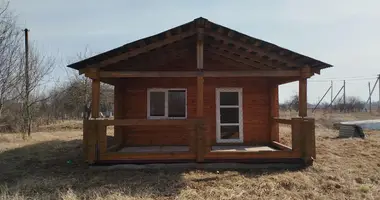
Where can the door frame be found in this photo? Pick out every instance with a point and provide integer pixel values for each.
(218, 106)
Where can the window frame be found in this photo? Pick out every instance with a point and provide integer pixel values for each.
(218, 122)
(166, 91)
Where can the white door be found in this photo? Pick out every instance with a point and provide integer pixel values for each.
(229, 115)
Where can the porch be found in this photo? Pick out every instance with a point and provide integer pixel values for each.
(200, 148)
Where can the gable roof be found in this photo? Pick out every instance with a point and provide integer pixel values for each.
(248, 46)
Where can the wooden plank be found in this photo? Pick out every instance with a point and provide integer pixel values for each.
(90, 72)
(308, 148)
(200, 89)
(114, 147)
(302, 111)
(296, 134)
(281, 146)
(92, 141)
(119, 93)
(146, 156)
(200, 49)
(102, 138)
(281, 81)
(282, 121)
(130, 74)
(253, 155)
(153, 60)
(193, 140)
(312, 144)
(241, 56)
(86, 130)
(253, 73)
(200, 141)
(251, 48)
(274, 113)
(95, 98)
(201, 144)
(147, 122)
(144, 49)
(238, 59)
(200, 134)
(161, 56)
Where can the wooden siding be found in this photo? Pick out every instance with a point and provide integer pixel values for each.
(255, 109)
(181, 61)
(133, 102)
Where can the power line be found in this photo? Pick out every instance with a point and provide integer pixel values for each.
(351, 77)
(344, 79)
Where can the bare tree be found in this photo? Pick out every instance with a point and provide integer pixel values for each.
(291, 104)
(10, 48)
(354, 104)
(39, 69)
(81, 86)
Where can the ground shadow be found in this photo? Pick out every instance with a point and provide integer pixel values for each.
(48, 168)
(57, 165)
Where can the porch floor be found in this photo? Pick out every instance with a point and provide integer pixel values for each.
(241, 148)
(166, 149)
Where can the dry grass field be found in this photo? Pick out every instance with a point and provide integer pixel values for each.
(49, 166)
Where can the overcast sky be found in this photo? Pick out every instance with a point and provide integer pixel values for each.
(345, 34)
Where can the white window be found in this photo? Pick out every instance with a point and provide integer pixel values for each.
(229, 115)
(167, 103)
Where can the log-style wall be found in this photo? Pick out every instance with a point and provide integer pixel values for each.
(256, 105)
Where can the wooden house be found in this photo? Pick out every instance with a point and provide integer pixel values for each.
(199, 92)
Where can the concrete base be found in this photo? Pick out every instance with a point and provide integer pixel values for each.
(364, 124)
(202, 166)
(216, 148)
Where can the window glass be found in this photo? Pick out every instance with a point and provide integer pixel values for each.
(157, 103)
(229, 132)
(229, 115)
(177, 103)
(229, 98)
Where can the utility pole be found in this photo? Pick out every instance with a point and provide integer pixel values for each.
(27, 123)
(344, 96)
(332, 96)
(336, 96)
(371, 92)
(378, 103)
(370, 99)
(332, 93)
(320, 100)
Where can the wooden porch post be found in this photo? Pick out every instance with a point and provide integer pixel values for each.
(118, 112)
(302, 93)
(95, 96)
(303, 128)
(274, 112)
(201, 139)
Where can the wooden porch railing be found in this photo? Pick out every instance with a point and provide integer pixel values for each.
(95, 142)
(95, 138)
(303, 137)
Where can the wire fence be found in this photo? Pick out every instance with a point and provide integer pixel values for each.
(345, 94)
